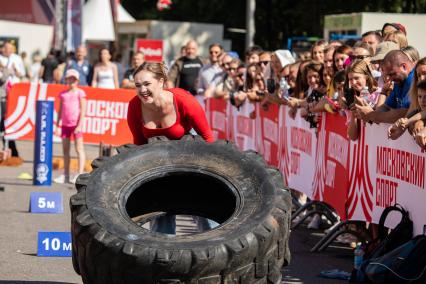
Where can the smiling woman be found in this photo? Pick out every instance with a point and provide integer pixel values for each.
(156, 111)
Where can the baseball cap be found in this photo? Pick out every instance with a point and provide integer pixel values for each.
(383, 48)
(397, 26)
(72, 73)
(284, 56)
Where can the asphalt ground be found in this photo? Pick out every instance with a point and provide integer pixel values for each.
(19, 262)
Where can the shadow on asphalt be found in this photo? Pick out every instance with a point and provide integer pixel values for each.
(31, 282)
(15, 183)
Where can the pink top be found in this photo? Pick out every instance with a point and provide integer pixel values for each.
(71, 106)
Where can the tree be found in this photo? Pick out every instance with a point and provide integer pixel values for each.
(276, 20)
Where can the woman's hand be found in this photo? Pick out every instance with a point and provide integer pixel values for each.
(397, 129)
(416, 127)
(421, 138)
(77, 129)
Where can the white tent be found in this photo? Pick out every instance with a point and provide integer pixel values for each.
(98, 24)
(123, 16)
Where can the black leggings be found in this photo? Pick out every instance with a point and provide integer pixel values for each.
(12, 144)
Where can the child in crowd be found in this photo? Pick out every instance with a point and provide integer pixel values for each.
(419, 112)
(72, 109)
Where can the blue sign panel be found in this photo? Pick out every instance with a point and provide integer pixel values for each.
(43, 143)
(54, 244)
(46, 202)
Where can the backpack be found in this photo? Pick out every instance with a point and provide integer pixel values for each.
(401, 234)
(405, 264)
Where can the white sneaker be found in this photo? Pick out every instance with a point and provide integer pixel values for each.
(315, 222)
(61, 179)
(346, 239)
(74, 179)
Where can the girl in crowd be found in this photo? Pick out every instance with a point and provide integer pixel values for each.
(105, 74)
(157, 111)
(396, 130)
(358, 77)
(72, 109)
(255, 84)
(412, 53)
(418, 106)
(362, 50)
(340, 56)
(397, 37)
(328, 56)
(317, 51)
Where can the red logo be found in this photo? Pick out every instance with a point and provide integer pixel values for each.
(151, 48)
(360, 186)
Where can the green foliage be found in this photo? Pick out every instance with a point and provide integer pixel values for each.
(276, 20)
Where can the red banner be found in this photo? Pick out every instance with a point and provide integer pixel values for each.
(332, 163)
(152, 48)
(218, 118)
(106, 113)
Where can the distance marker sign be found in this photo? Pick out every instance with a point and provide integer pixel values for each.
(46, 202)
(54, 244)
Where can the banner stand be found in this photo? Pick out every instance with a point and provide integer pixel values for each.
(42, 169)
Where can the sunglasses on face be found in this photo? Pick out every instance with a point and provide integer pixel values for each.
(359, 56)
(214, 52)
(231, 69)
(264, 62)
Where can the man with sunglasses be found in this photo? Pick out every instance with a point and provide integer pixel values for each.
(210, 72)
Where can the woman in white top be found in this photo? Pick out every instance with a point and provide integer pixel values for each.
(105, 74)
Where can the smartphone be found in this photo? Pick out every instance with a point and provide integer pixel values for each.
(270, 85)
(349, 96)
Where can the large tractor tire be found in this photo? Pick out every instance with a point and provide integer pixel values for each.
(185, 177)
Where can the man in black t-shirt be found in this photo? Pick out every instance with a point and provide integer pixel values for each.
(128, 80)
(184, 72)
(48, 65)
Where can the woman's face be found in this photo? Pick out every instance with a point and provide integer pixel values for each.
(105, 55)
(292, 76)
(357, 81)
(232, 69)
(313, 79)
(421, 73)
(361, 53)
(328, 59)
(339, 60)
(326, 78)
(275, 64)
(252, 72)
(148, 88)
(421, 98)
(318, 53)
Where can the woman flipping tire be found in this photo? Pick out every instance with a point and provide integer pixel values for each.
(187, 176)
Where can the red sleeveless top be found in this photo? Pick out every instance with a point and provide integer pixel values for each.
(189, 114)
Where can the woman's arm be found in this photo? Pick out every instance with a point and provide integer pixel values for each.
(95, 77)
(353, 128)
(115, 74)
(83, 103)
(134, 121)
(197, 118)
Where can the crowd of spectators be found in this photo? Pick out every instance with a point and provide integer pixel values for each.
(378, 79)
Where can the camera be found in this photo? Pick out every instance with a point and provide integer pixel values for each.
(270, 85)
(349, 96)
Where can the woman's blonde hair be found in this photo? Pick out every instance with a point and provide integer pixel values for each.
(398, 37)
(361, 66)
(158, 69)
(413, 89)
